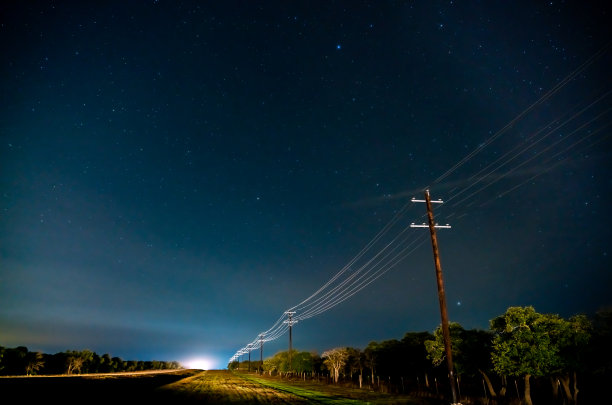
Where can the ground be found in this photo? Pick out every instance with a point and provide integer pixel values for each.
(188, 387)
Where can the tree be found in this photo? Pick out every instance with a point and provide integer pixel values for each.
(435, 347)
(117, 364)
(34, 362)
(302, 362)
(414, 353)
(389, 357)
(106, 363)
(355, 362)
(474, 356)
(573, 339)
(14, 361)
(335, 359)
(79, 361)
(277, 363)
(2, 365)
(471, 352)
(74, 364)
(370, 353)
(270, 365)
(526, 344)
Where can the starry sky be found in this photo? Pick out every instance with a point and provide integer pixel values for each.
(174, 175)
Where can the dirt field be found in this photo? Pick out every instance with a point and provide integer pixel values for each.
(223, 387)
(86, 389)
(185, 387)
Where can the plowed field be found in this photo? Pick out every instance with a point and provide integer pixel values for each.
(187, 387)
(219, 386)
(225, 387)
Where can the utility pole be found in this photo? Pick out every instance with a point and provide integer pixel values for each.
(441, 295)
(291, 322)
(261, 335)
(249, 358)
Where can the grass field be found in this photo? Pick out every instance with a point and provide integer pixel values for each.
(223, 386)
(320, 392)
(187, 387)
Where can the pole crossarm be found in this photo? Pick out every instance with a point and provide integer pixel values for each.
(290, 321)
(424, 225)
(438, 201)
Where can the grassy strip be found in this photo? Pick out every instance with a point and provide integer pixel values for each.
(310, 395)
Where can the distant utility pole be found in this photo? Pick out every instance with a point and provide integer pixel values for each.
(249, 358)
(441, 295)
(261, 335)
(291, 322)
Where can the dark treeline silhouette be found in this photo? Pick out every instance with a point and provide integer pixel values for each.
(21, 361)
(525, 357)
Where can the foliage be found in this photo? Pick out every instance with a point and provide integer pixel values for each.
(355, 361)
(574, 336)
(20, 361)
(300, 362)
(521, 343)
(530, 344)
(14, 361)
(398, 357)
(335, 359)
(471, 349)
(413, 352)
(435, 347)
(526, 342)
(600, 351)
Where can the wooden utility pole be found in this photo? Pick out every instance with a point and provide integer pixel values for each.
(441, 295)
(291, 322)
(261, 335)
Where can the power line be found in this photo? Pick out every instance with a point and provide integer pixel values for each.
(352, 278)
(541, 100)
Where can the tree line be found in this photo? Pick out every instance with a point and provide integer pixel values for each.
(21, 361)
(524, 357)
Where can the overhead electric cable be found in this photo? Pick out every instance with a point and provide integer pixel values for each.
(338, 289)
(541, 100)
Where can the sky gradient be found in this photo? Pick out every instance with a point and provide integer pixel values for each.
(175, 175)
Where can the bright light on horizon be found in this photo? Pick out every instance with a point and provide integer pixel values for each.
(200, 363)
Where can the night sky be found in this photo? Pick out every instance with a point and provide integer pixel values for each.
(175, 175)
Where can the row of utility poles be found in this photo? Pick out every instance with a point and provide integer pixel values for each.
(261, 342)
(290, 322)
(441, 298)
